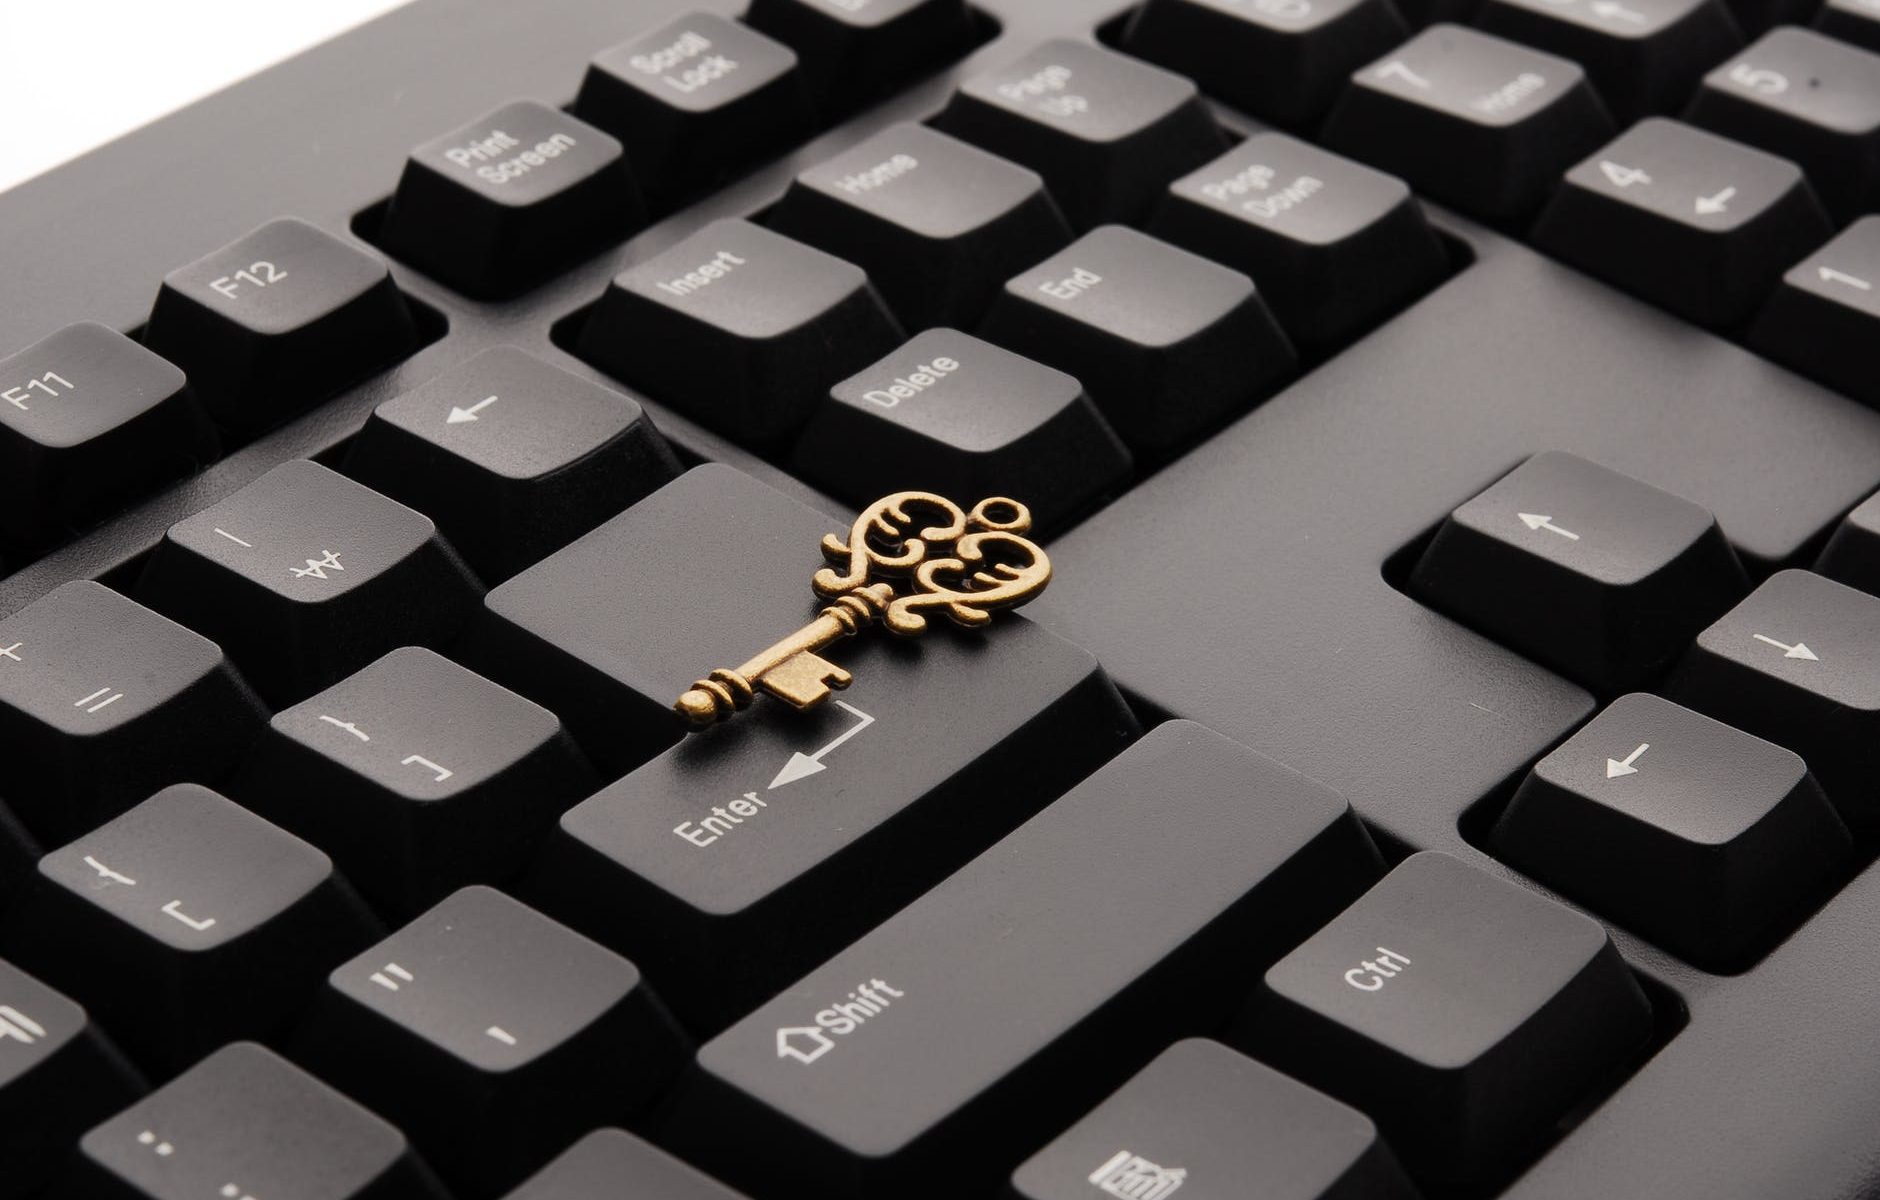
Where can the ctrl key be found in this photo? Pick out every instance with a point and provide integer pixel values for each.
(1205, 1117)
(245, 1124)
(1464, 1013)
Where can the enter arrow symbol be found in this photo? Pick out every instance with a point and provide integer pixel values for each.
(1830, 275)
(1541, 521)
(1710, 206)
(460, 415)
(802, 766)
(1616, 767)
(1798, 650)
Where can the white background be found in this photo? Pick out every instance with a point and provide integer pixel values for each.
(81, 72)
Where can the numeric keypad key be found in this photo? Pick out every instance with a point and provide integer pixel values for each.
(278, 321)
(493, 1036)
(186, 922)
(1596, 574)
(1798, 662)
(245, 1124)
(89, 420)
(1696, 223)
(1823, 318)
(1471, 120)
(304, 576)
(1106, 131)
(1808, 98)
(102, 702)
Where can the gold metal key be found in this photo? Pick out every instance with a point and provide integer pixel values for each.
(892, 568)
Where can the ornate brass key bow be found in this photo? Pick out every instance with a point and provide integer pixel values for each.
(963, 565)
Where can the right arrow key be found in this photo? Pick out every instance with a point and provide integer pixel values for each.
(1688, 220)
(1600, 576)
(1798, 662)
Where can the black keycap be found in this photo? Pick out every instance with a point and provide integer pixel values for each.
(512, 457)
(1106, 131)
(418, 776)
(1284, 61)
(1464, 1013)
(1696, 223)
(511, 198)
(102, 702)
(854, 50)
(1599, 576)
(696, 102)
(597, 1166)
(186, 922)
(1471, 120)
(1698, 836)
(305, 576)
(1172, 344)
(998, 1006)
(1852, 555)
(751, 853)
(1854, 21)
(1798, 662)
(245, 1124)
(710, 569)
(939, 225)
(1808, 98)
(278, 321)
(1824, 316)
(738, 328)
(1643, 56)
(89, 420)
(493, 1036)
(1335, 247)
(950, 413)
(58, 1078)
(1204, 1118)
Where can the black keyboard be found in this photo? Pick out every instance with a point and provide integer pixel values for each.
(1443, 764)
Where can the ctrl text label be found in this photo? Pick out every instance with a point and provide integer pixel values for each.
(807, 1043)
(1373, 973)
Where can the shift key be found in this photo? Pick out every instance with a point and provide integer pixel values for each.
(931, 1055)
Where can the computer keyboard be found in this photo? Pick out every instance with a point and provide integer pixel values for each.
(1441, 766)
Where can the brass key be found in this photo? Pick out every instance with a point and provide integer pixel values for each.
(967, 566)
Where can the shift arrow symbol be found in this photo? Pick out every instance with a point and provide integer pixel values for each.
(1616, 767)
(1710, 206)
(802, 766)
(1538, 521)
(459, 415)
(1798, 650)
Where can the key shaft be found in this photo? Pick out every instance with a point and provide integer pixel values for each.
(790, 670)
